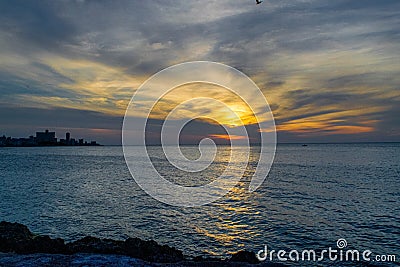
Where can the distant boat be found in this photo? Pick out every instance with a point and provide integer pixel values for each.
(304, 145)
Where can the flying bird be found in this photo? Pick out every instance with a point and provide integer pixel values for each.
(258, 2)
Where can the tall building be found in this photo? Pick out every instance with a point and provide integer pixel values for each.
(46, 138)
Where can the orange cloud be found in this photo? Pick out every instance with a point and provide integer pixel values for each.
(318, 127)
(228, 137)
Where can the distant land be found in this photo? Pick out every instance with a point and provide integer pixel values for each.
(45, 138)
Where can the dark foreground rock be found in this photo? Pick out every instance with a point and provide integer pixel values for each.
(133, 247)
(15, 237)
(244, 256)
(20, 247)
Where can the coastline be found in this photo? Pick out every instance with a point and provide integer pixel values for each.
(19, 246)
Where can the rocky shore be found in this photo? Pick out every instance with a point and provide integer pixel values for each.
(20, 247)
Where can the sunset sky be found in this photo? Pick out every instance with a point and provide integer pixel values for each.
(330, 70)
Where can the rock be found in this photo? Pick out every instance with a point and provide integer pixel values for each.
(44, 244)
(14, 231)
(133, 247)
(244, 256)
(15, 237)
(151, 251)
(96, 245)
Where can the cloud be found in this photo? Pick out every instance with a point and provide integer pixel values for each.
(25, 121)
(331, 65)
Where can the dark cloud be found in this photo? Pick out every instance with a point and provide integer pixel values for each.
(12, 85)
(301, 98)
(57, 117)
(36, 25)
(272, 42)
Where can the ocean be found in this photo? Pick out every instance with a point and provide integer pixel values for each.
(313, 196)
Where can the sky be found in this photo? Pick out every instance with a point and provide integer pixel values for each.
(330, 70)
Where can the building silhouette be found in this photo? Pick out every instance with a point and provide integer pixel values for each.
(67, 137)
(45, 138)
